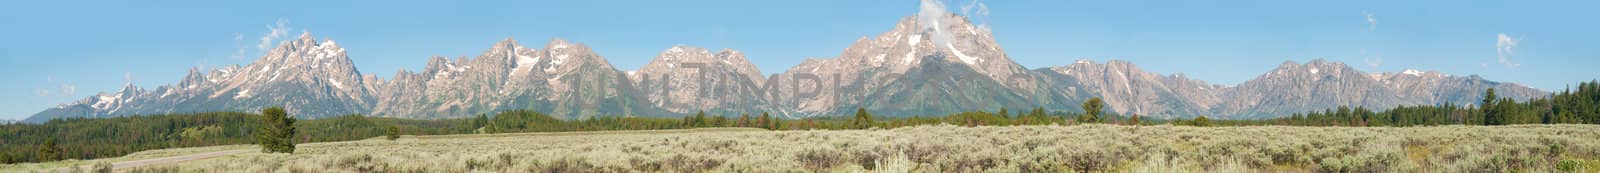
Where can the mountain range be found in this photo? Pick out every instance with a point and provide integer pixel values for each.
(926, 66)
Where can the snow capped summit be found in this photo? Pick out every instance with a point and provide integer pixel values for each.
(1413, 72)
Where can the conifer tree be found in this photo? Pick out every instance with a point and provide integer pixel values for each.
(863, 120)
(277, 136)
(1091, 110)
(765, 121)
(392, 133)
(744, 120)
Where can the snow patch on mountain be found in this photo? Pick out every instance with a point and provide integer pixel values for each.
(242, 94)
(876, 60)
(1413, 72)
(336, 84)
(964, 58)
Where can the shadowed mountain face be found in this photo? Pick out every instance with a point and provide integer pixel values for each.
(921, 67)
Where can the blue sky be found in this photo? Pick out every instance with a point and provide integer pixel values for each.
(62, 51)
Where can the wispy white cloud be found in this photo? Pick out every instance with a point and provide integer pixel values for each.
(1375, 61)
(238, 39)
(975, 5)
(274, 32)
(1372, 20)
(127, 77)
(1505, 47)
(69, 89)
(204, 65)
(63, 89)
(978, 12)
(931, 12)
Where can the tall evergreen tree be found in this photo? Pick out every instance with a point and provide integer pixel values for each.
(1038, 112)
(48, 150)
(699, 119)
(744, 120)
(863, 120)
(765, 121)
(1091, 110)
(392, 133)
(1003, 113)
(1490, 110)
(1134, 120)
(480, 121)
(277, 136)
(719, 121)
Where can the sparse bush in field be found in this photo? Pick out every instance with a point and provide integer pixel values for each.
(818, 159)
(951, 148)
(1366, 163)
(393, 133)
(1569, 166)
(681, 163)
(867, 158)
(102, 167)
(564, 165)
(157, 169)
(359, 163)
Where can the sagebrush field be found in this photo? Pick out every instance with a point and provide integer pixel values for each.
(945, 148)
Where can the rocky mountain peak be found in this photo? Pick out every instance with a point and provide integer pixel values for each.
(1315, 69)
(685, 79)
(506, 43)
(192, 79)
(563, 53)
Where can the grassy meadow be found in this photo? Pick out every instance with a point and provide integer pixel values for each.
(947, 148)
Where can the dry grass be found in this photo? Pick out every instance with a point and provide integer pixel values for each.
(1084, 148)
(23, 167)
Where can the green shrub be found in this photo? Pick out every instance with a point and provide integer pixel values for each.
(819, 159)
(393, 133)
(1569, 165)
(102, 167)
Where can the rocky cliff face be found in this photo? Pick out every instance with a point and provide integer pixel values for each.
(685, 80)
(1128, 89)
(908, 71)
(563, 78)
(921, 67)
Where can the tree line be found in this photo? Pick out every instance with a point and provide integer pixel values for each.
(1569, 106)
(90, 138)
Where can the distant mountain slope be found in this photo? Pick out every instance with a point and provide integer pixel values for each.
(686, 79)
(920, 67)
(309, 77)
(1322, 84)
